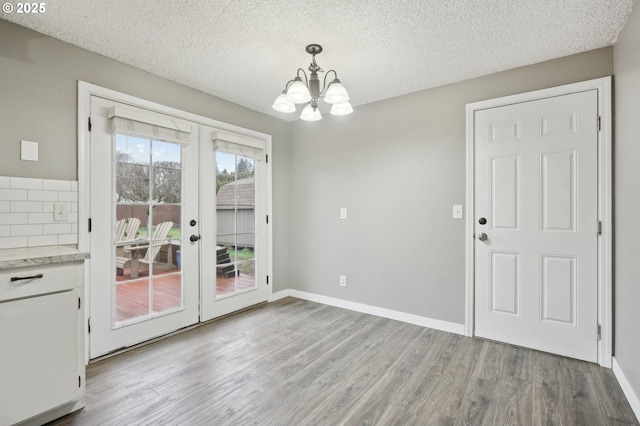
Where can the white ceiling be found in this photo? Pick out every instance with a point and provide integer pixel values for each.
(245, 51)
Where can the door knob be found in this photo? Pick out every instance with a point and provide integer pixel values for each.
(482, 236)
(194, 238)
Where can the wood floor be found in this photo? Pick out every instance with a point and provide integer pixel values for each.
(297, 362)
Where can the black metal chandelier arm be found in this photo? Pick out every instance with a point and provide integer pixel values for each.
(286, 86)
(306, 79)
(324, 83)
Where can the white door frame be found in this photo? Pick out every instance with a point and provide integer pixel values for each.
(85, 91)
(605, 163)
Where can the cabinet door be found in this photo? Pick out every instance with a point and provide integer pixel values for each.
(39, 356)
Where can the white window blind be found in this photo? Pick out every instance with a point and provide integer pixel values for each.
(138, 122)
(238, 144)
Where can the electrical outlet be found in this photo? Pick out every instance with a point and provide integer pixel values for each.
(343, 280)
(60, 211)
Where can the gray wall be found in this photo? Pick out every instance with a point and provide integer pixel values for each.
(398, 166)
(626, 65)
(38, 102)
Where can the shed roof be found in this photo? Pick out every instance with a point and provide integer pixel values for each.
(226, 197)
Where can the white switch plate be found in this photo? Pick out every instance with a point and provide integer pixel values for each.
(343, 280)
(457, 211)
(29, 151)
(343, 213)
(60, 212)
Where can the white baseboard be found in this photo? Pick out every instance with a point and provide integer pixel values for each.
(381, 312)
(633, 399)
(279, 295)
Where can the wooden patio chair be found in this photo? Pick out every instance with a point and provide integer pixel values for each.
(127, 229)
(152, 249)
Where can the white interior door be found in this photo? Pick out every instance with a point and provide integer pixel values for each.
(234, 222)
(536, 224)
(144, 195)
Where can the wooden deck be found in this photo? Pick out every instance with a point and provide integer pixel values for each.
(132, 297)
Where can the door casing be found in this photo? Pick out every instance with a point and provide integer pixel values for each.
(85, 91)
(605, 240)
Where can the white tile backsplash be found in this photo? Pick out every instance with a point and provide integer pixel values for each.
(56, 185)
(42, 240)
(26, 212)
(26, 207)
(13, 242)
(13, 218)
(25, 230)
(58, 228)
(26, 183)
(67, 196)
(35, 195)
(41, 217)
(13, 194)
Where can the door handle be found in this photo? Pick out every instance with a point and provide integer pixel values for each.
(194, 238)
(482, 236)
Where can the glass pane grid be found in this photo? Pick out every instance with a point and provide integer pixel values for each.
(148, 206)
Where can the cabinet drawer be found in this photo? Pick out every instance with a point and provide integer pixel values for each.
(55, 277)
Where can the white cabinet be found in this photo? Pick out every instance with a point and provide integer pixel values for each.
(41, 329)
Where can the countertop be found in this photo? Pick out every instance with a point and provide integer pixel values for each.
(32, 256)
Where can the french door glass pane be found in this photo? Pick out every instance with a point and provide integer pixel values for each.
(147, 234)
(236, 227)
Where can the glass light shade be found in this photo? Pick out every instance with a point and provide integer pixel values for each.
(310, 114)
(336, 93)
(343, 108)
(282, 104)
(298, 92)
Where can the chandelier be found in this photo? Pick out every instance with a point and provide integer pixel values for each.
(308, 92)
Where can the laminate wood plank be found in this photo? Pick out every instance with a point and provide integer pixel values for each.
(298, 362)
(446, 398)
(353, 387)
(611, 396)
(412, 369)
(301, 353)
(306, 388)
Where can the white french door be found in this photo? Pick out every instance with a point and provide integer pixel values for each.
(234, 222)
(536, 224)
(178, 214)
(144, 195)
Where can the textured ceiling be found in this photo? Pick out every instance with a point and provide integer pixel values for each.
(245, 51)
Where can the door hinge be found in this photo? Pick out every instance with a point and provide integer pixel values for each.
(599, 227)
(79, 381)
(89, 123)
(78, 303)
(89, 224)
(267, 158)
(599, 123)
(599, 332)
(267, 219)
(89, 325)
(267, 279)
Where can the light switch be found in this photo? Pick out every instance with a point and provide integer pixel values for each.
(343, 213)
(457, 211)
(29, 151)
